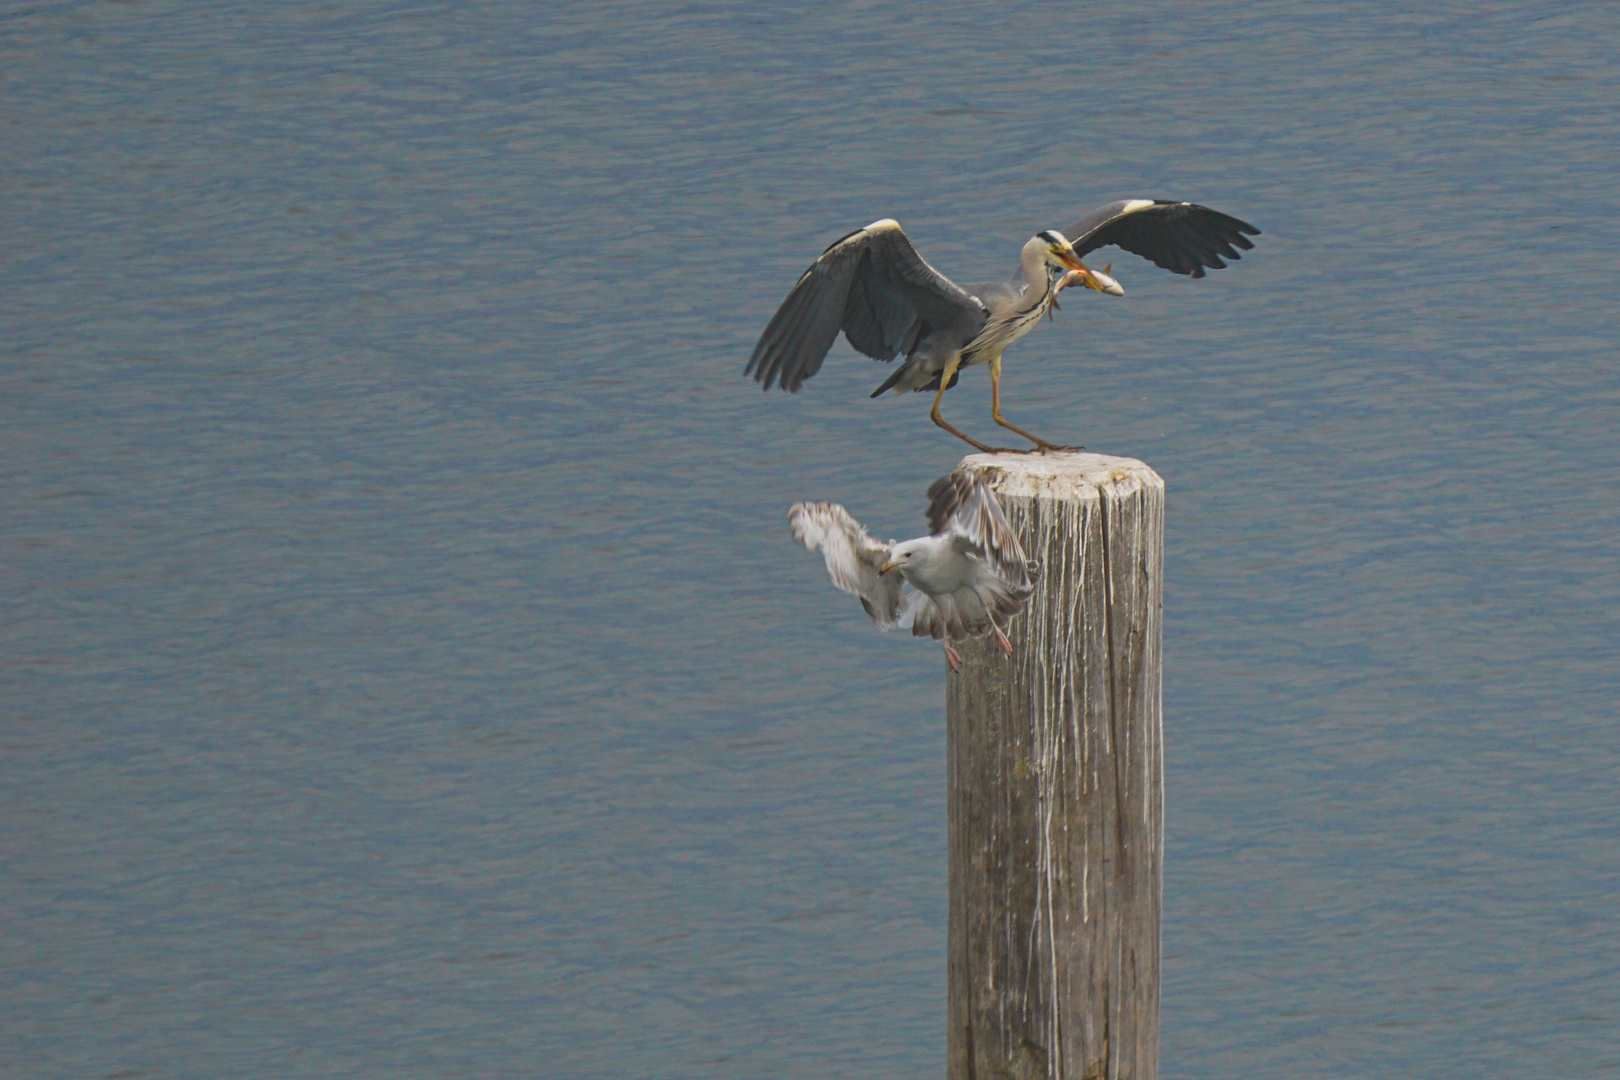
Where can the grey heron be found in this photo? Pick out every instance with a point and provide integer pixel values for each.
(889, 301)
(969, 573)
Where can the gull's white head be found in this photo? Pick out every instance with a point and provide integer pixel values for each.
(904, 555)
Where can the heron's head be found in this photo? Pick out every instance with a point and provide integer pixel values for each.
(1057, 252)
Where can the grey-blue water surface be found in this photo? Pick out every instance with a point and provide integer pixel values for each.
(406, 668)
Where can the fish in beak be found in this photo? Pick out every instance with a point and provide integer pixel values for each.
(1091, 279)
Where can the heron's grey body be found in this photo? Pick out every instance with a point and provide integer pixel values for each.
(969, 573)
(889, 301)
(1006, 312)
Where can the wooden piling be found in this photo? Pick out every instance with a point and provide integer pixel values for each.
(1056, 789)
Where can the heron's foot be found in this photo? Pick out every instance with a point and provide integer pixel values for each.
(952, 657)
(1002, 641)
(1041, 446)
(1051, 448)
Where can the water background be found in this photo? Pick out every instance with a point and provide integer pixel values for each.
(405, 670)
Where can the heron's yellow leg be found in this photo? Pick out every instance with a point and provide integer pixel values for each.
(933, 414)
(995, 410)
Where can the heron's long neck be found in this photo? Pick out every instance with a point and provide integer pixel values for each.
(1017, 316)
(1037, 281)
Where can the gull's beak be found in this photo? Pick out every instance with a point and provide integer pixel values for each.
(886, 567)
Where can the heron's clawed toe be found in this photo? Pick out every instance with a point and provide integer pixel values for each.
(952, 657)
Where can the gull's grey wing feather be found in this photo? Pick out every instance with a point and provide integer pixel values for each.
(965, 509)
(1182, 237)
(874, 287)
(853, 558)
(965, 506)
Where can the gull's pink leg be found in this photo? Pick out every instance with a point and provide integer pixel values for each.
(1001, 640)
(952, 657)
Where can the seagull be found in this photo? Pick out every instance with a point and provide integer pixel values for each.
(889, 301)
(968, 575)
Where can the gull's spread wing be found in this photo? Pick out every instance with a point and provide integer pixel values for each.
(852, 557)
(964, 507)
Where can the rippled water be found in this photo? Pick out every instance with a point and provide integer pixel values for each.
(405, 668)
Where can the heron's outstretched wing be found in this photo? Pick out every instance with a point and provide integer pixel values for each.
(1182, 237)
(853, 557)
(874, 287)
(964, 507)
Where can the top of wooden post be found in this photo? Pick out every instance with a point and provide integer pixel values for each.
(1063, 475)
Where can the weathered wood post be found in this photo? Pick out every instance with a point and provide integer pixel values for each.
(1056, 790)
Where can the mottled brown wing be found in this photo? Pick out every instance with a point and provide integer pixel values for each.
(853, 558)
(965, 506)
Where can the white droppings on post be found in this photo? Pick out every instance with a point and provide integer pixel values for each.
(1056, 787)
